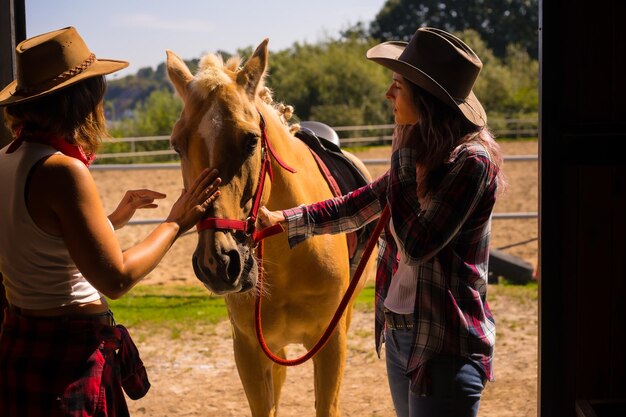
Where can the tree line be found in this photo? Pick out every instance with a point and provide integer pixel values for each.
(332, 82)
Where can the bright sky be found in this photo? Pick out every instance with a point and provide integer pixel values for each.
(140, 31)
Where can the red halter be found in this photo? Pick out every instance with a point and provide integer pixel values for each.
(249, 225)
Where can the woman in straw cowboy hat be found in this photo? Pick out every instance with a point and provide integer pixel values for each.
(431, 284)
(58, 252)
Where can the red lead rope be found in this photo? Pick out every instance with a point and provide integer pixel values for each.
(249, 226)
(382, 221)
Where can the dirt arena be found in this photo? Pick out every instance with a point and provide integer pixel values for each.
(195, 375)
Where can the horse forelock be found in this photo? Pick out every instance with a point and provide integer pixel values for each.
(213, 73)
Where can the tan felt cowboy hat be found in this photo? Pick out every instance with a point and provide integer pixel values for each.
(441, 64)
(52, 61)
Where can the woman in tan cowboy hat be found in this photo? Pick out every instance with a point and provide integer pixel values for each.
(58, 252)
(431, 284)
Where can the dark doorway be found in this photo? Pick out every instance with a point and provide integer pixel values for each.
(582, 206)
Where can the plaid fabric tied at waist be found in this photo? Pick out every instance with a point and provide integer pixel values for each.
(399, 321)
(68, 366)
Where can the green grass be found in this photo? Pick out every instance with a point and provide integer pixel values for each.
(517, 293)
(182, 307)
(168, 305)
(185, 305)
(365, 299)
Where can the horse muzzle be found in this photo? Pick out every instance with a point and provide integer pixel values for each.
(226, 266)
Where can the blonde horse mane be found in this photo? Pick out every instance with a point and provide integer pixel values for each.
(213, 72)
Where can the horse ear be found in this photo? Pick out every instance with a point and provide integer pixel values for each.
(179, 73)
(252, 73)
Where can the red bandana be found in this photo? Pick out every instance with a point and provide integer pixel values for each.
(57, 142)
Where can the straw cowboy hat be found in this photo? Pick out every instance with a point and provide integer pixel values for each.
(441, 64)
(52, 61)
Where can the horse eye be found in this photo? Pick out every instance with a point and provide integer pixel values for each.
(251, 142)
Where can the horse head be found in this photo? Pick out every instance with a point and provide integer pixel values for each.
(220, 127)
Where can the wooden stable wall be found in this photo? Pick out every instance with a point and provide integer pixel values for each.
(582, 205)
(12, 32)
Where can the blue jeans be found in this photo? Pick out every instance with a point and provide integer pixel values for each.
(456, 383)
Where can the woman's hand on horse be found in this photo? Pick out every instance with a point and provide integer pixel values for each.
(131, 202)
(192, 204)
(267, 218)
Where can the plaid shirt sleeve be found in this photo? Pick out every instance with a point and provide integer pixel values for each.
(423, 230)
(341, 214)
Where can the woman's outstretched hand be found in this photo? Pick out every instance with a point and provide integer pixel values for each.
(132, 201)
(267, 218)
(192, 204)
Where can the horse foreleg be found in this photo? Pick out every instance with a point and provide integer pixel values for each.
(255, 372)
(279, 375)
(329, 365)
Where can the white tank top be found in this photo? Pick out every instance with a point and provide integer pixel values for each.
(37, 268)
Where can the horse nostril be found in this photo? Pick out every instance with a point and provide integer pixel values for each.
(233, 268)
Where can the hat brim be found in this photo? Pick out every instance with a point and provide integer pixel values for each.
(387, 53)
(98, 67)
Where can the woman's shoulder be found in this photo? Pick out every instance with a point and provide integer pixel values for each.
(61, 164)
(470, 149)
(61, 175)
(473, 156)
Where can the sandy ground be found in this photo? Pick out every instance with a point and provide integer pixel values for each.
(195, 375)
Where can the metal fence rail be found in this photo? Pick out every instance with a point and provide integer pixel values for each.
(176, 165)
(494, 216)
(503, 128)
(512, 127)
(135, 167)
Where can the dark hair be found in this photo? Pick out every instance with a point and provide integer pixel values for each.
(441, 130)
(75, 113)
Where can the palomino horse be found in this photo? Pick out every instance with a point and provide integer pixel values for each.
(221, 126)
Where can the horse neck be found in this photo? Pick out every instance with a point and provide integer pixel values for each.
(285, 186)
(277, 132)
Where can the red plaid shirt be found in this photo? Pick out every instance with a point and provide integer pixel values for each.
(447, 238)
